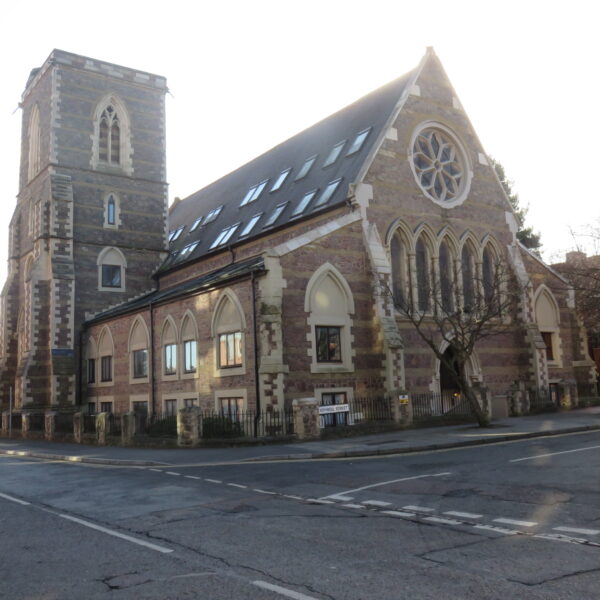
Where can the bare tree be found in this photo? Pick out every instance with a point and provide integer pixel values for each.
(461, 314)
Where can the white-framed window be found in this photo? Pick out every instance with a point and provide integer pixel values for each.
(327, 193)
(169, 349)
(139, 353)
(106, 350)
(306, 167)
(254, 192)
(189, 346)
(358, 142)
(334, 153)
(280, 180)
(228, 328)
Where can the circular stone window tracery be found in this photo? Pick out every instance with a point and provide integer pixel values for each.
(439, 166)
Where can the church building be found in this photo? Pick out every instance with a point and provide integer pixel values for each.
(270, 284)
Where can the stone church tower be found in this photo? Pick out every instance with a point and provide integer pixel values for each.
(89, 227)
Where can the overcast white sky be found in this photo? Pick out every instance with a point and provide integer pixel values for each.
(246, 75)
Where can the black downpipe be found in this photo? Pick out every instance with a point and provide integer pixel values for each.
(255, 336)
(151, 361)
(79, 399)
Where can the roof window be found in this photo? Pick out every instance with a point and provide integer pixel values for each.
(301, 206)
(196, 224)
(224, 236)
(212, 215)
(189, 249)
(275, 214)
(359, 140)
(280, 180)
(308, 163)
(250, 225)
(333, 155)
(176, 233)
(327, 193)
(254, 192)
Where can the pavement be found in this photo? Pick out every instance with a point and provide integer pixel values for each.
(395, 442)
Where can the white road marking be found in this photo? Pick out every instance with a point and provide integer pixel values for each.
(514, 460)
(292, 497)
(557, 537)
(264, 491)
(397, 513)
(320, 501)
(213, 480)
(283, 591)
(354, 505)
(577, 530)
(376, 503)
(443, 521)
(418, 508)
(496, 529)
(6, 497)
(516, 522)
(341, 495)
(117, 534)
(462, 515)
(192, 477)
(237, 485)
(156, 470)
(171, 473)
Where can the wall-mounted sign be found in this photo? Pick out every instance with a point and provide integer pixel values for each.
(333, 408)
(403, 398)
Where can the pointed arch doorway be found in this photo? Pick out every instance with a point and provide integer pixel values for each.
(449, 391)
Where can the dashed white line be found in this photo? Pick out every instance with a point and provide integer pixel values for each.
(292, 497)
(496, 529)
(442, 521)
(213, 480)
(418, 508)
(398, 513)
(516, 522)
(320, 501)
(514, 460)
(342, 495)
(117, 534)
(237, 485)
(156, 470)
(171, 473)
(577, 530)
(192, 477)
(354, 506)
(264, 491)
(283, 591)
(462, 515)
(17, 500)
(376, 503)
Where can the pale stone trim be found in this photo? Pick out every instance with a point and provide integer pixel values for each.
(188, 317)
(215, 329)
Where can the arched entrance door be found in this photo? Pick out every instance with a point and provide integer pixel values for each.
(449, 389)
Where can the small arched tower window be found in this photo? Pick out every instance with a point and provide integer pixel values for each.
(112, 133)
(112, 211)
(111, 270)
(34, 143)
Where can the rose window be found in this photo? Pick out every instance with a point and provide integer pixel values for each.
(438, 164)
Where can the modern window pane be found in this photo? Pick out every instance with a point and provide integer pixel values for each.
(111, 276)
(189, 352)
(328, 344)
(140, 363)
(170, 356)
(301, 207)
(275, 215)
(327, 193)
(333, 155)
(230, 349)
(170, 408)
(358, 142)
(279, 181)
(91, 370)
(306, 167)
(106, 407)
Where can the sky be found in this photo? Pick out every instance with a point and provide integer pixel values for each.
(244, 76)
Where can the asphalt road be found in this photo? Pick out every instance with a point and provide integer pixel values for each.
(513, 520)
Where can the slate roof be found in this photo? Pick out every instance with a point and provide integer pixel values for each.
(369, 113)
(226, 274)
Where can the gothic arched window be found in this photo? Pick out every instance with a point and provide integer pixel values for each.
(488, 275)
(34, 143)
(423, 276)
(468, 277)
(446, 264)
(399, 260)
(109, 143)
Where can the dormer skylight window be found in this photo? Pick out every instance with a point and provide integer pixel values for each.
(250, 225)
(196, 224)
(359, 140)
(275, 215)
(254, 192)
(327, 193)
(212, 215)
(301, 207)
(175, 233)
(189, 249)
(224, 236)
(280, 180)
(308, 163)
(333, 155)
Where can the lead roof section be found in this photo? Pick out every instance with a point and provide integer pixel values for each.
(369, 113)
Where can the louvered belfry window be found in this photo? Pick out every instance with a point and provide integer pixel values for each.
(109, 142)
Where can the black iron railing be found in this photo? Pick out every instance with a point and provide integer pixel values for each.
(113, 425)
(63, 423)
(37, 422)
(544, 399)
(240, 424)
(439, 406)
(16, 421)
(89, 423)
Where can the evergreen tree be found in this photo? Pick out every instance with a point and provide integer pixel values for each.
(525, 235)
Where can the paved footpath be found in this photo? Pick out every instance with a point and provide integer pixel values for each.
(396, 442)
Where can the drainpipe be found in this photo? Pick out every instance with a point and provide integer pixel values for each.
(80, 375)
(255, 336)
(151, 362)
